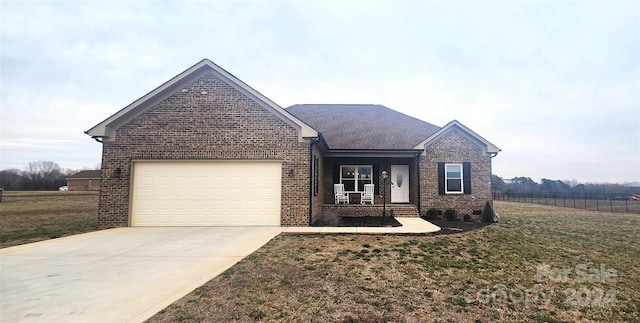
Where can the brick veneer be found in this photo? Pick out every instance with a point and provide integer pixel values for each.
(455, 147)
(83, 184)
(359, 210)
(205, 120)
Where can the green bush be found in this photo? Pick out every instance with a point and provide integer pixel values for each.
(451, 215)
(433, 214)
(487, 213)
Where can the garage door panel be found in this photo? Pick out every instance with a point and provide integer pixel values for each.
(206, 193)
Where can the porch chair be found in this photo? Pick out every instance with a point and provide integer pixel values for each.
(367, 196)
(341, 195)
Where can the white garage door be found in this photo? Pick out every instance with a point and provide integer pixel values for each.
(206, 193)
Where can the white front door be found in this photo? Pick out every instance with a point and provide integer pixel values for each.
(399, 183)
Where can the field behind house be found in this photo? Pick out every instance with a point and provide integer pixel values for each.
(541, 263)
(603, 205)
(30, 216)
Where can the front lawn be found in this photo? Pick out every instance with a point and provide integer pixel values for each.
(30, 216)
(541, 263)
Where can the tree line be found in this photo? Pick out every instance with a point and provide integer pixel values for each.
(521, 186)
(37, 176)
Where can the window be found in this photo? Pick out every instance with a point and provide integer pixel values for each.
(355, 176)
(453, 178)
(316, 175)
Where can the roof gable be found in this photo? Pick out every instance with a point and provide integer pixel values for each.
(487, 147)
(363, 126)
(106, 130)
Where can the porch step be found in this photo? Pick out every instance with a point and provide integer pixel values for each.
(405, 211)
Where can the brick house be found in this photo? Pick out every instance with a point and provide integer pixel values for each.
(84, 180)
(204, 148)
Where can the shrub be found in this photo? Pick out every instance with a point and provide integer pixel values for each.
(451, 215)
(433, 214)
(487, 213)
(468, 218)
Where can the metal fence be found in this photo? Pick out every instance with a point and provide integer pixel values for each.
(587, 202)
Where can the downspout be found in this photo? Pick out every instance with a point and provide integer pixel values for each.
(491, 176)
(98, 139)
(419, 190)
(313, 142)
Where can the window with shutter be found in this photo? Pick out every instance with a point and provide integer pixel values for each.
(454, 178)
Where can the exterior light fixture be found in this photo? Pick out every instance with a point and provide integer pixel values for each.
(117, 173)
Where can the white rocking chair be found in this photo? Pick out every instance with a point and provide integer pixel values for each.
(367, 196)
(341, 195)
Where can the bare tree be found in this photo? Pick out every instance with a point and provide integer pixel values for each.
(11, 179)
(43, 175)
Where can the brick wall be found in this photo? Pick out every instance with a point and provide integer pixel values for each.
(205, 120)
(83, 184)
(455, 147)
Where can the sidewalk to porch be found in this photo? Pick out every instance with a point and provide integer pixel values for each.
(409, 225)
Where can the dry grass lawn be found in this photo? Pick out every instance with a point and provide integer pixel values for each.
(541, 263)
(27, 217)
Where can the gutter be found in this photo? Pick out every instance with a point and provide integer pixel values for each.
(96, 138)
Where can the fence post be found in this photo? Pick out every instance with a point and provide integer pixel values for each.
(597, 203)
(611, 203)
(626, 205)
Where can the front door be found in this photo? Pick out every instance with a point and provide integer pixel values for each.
(399, 183)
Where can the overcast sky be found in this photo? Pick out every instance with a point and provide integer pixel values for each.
(555, 85)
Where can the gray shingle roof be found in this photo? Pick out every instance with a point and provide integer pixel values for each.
(86, 174)
(363, 126)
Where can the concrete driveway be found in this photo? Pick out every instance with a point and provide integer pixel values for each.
(117, 275)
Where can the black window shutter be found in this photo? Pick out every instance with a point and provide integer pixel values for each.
(336, 173)
(376, 179)
(441, 178)
(466, 177)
